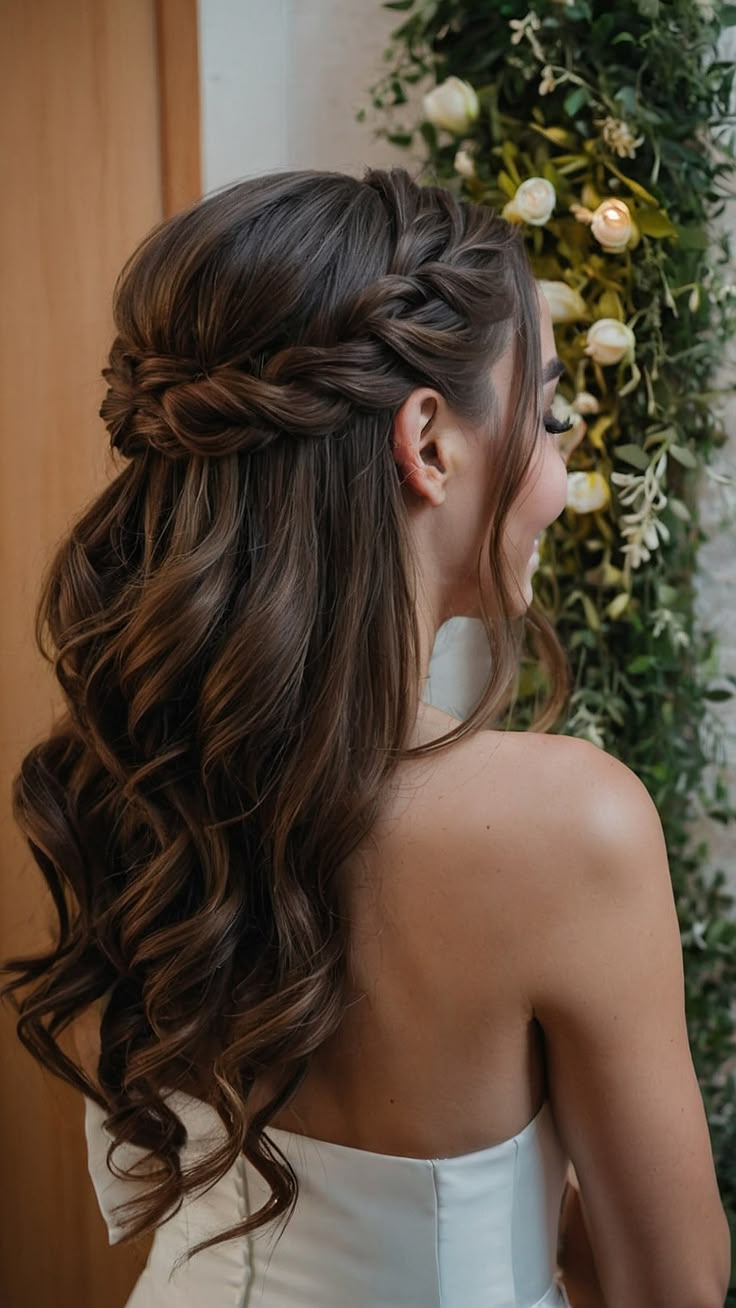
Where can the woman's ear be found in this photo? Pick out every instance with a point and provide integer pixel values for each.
(416, 448)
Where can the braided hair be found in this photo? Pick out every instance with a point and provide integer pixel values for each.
(233, 624)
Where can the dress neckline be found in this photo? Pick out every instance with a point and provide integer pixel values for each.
(296, 1140)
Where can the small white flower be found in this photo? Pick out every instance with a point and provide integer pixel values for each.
(666, 620)
(593, 734)
(548, 82)
(533, 203)
(697, 934)
(525, 28)
(644, 494)
(453, 105)
(522, 26)
(636, 553)
(586, 403)
(565, 304)
(587, 492)
(619, 137)
(610, 341)
(588, 725)
(464, 164)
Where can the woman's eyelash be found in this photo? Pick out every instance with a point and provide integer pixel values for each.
(554, 427)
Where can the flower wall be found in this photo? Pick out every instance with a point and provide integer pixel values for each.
(606, 133)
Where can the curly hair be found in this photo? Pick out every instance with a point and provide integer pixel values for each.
(233, 626)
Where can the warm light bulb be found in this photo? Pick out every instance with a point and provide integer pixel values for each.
(612, 225)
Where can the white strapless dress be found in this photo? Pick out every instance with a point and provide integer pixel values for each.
(476, 1230)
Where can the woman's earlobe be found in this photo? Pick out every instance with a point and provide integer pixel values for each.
(425, 479)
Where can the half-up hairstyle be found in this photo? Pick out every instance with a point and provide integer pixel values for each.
(233, 624)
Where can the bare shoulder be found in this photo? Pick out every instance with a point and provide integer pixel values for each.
(555, 803)
(557, 832)
(563, 768)
(597, 953)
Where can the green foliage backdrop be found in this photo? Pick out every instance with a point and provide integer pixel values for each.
(606, 131)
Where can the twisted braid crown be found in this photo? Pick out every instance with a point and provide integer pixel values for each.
(387, 334)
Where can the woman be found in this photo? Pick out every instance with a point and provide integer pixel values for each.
(350, 977)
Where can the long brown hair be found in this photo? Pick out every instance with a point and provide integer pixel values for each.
(233, 624)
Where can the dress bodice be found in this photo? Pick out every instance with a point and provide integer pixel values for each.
(477, 1230)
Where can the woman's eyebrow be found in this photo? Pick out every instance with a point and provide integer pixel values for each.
(553, 369)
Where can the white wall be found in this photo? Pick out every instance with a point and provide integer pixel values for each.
(281, 82)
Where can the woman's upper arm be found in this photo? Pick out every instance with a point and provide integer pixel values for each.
(607, 988)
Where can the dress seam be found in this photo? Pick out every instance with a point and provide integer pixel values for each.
(438, 1269)
(512, 1224)
(245, 1212)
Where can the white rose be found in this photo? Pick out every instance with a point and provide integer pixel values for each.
(586, 403)
(587, 492)
(610, 341)
(612, 225)
(452, 105)
(533, 203)
(565, 304)
(464, 164)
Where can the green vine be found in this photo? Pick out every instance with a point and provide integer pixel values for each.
(607, 131)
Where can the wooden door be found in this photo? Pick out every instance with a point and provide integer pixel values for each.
(99, 137)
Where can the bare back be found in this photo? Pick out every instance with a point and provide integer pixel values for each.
(439, 1052)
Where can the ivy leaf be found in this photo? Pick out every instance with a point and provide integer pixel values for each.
(618, 604)
(679, 509)
(683, 456)
(507, 184)
(626, 96)
(610, 306)
(557, 135)
(509, 153)
(599, 429)
(692, 238)
(654, 222)
(591, 613)
(634, 455)
(635, 187)
(575, 100)
(640, 664)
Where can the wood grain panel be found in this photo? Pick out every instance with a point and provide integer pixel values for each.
(80, 140)
(179, 111)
